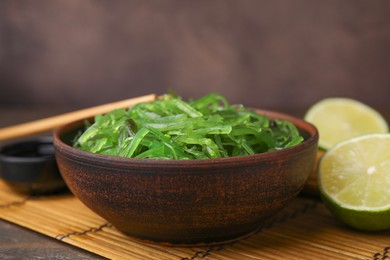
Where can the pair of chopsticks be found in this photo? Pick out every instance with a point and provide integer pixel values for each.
(46, 124)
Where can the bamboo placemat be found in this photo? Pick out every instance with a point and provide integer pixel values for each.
(303, 230)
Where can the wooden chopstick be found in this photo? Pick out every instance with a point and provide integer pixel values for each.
(46, 124)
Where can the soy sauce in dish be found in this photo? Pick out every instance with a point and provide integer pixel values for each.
(30, 167)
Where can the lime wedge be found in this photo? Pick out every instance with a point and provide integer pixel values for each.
(354, 181)
(339, 119)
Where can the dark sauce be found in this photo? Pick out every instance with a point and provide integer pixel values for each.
(29, 149)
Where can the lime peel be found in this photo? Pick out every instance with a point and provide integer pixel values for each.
(365, 220)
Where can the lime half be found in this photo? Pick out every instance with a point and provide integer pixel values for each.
(354, 181)
(339, 119)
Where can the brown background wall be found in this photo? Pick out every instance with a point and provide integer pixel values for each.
(261, 53)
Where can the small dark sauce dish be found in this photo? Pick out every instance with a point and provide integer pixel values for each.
(30, 167)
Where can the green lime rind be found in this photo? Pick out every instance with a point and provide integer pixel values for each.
(365, 220)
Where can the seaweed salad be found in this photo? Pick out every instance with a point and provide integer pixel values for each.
(171, 128)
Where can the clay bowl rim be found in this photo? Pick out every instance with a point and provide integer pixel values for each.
(101, 160)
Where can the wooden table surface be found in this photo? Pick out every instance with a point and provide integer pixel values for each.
(20, 243)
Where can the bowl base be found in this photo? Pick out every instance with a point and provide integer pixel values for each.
(218, 242)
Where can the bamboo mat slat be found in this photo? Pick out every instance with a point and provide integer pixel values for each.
(303, 230)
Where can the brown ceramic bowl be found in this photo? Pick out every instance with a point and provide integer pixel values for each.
(187, 202)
